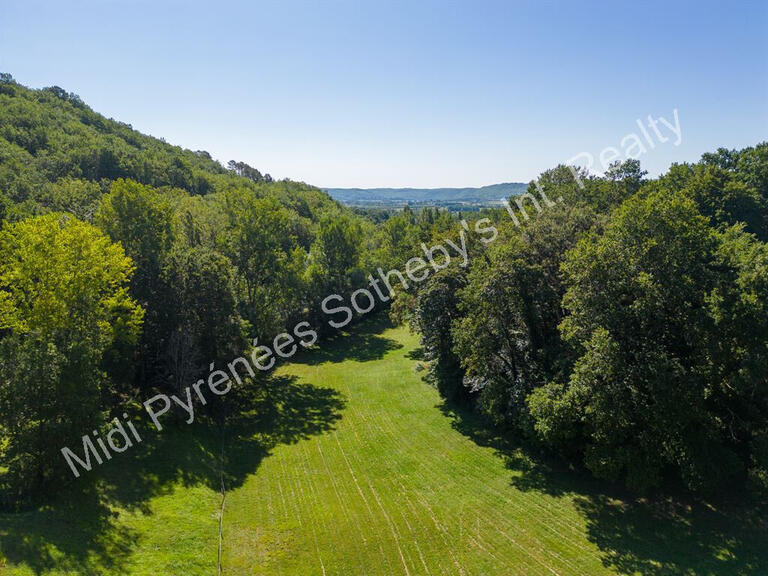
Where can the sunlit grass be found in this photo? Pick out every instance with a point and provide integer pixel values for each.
(349, 464)
(397, 488)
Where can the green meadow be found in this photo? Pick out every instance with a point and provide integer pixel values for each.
(348, 463)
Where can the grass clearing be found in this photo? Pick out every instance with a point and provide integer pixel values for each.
(402, 486)
(349, 464)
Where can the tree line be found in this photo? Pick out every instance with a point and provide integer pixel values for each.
(624, 329)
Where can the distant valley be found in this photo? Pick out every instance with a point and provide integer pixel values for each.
(453, 198)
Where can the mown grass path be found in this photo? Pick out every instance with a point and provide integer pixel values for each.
(347, 463)
(396, 488)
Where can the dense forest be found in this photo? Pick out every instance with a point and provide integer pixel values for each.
(623, 328)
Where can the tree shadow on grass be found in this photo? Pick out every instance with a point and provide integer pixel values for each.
(670, 537)
(74, 535)
(417, 354)
(363, 344)
(283, 411)
(658, 536)
(79, 532)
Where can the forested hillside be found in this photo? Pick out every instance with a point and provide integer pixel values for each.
(58, 154)
(130, 265)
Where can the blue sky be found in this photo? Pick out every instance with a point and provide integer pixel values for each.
(425, 94)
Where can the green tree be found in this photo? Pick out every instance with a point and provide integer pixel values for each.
(141, 220)
(260, 240)
(646, 393)
(508, 338)
(64, 305)
(202, 315)
(336, 251)
(436, 310)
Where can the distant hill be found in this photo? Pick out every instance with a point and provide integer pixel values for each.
(484, 196)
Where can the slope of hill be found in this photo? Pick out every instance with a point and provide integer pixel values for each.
(484, 196)
(56, 153)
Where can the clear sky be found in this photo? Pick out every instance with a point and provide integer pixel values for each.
(369, 93)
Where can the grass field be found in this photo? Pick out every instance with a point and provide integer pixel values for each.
(350, 464)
